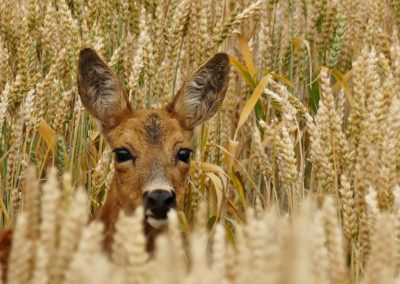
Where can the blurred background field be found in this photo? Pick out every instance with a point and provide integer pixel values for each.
(300, 166)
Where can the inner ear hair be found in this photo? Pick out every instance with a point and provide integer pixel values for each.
(99, 88)
(202, 94)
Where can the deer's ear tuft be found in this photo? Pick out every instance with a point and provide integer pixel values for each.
(201, 96)
(99, 89)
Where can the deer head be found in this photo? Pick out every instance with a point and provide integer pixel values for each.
(152, 147)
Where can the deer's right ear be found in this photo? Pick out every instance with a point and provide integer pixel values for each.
(100, 90)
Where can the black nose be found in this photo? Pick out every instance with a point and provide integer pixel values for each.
(158, 202)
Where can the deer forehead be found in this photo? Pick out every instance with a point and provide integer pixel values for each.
(149, 130)
(154, 136)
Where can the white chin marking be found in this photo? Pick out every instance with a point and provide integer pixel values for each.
(157, 223)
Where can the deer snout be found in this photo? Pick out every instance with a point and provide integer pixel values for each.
(159, 202)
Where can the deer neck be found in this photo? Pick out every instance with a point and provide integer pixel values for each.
(108, 214)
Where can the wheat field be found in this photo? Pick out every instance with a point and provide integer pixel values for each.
(295, 180)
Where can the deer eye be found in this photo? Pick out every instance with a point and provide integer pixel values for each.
(184, 155)
(122, 155)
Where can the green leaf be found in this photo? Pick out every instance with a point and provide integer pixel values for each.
(243, 71)
(211, 222)
(314, 94)
(239, 188)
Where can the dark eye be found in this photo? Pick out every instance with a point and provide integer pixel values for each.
(122, 155)
(184, 155)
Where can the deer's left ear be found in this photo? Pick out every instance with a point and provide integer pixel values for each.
(201, 96)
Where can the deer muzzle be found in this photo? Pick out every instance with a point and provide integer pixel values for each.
(157, 203)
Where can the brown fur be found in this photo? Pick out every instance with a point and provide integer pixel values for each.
(5, 249)
(151, 158)
(153, 137)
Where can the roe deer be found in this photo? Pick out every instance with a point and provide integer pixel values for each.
(152, 147)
